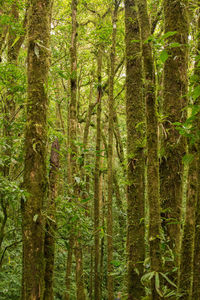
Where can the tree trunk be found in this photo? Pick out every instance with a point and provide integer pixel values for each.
(49, 244)
(121, 215)
(73, 168)
(174, 100)
(152, 146)
(35, 177)
(110, 283)
(196, 254)
(69, 268)
(187, 243)
(97, 182)
(135, 152)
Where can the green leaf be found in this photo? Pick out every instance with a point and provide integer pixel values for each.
(149, 39)
(164, 56)
(196, 92)
(168, 280)
(116, 263)
(168, 34)
(188, 158)
(157, 284)
(135, 41)
(35, 218)
(61, 73)
(174, 45)
(15, 41)
(137, 271)
(148, 276)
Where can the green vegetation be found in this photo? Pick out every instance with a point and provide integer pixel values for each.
(99, 149)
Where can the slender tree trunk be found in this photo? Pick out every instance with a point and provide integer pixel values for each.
(49, 244)
(35, 177)
(80, 293)
(152, 146)
(73, 168)
(97, 182)
(119, 204)
(135, 151)
(187, 245)
(91, 273)
(196, 254)
(110, 283)
(69, 268)
(119, 144)
(102, 240)
(174, 100)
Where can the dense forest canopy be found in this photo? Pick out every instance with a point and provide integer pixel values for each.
(99, 149)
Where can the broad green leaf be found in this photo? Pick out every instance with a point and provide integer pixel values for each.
(164, 56)
(196, 92)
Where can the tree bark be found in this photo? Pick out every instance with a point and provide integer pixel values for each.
(109, 215)
(196, 254)
(49, 243)
(35, 177)
(152, 146)
(73, 168)
(135, 119)
(97, 181)
(174, 100)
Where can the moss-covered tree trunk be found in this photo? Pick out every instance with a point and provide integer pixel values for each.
(174, 100)
(152, 145)
(119, 143)
(121, 210)
(135, 153)
(35, 177)
(196, 254)
(49, 244)
(187, 243)
(97, 181)
(73, 168)
(109, 215)
(68, 268)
